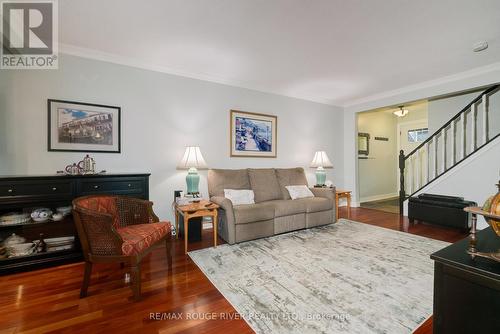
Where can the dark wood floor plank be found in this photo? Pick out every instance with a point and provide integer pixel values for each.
(47, 300)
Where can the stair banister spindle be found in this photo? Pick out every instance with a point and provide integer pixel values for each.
(435, 160)
(428, 161)
(452, 143)
(443, 153)
(473, 112)
(417, 169)
(463, 136)
(485, 119)
(410, 174)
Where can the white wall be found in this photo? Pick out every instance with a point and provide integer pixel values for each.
(441, 110)
(456, 83)
(417, 112)
(378, 173)
(161, 114)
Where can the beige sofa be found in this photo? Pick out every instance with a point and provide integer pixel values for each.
(274, 212)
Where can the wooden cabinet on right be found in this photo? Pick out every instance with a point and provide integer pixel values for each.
(466, 290)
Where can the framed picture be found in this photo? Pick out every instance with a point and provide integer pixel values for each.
(363, 143)
(83, 127)
(252, 135)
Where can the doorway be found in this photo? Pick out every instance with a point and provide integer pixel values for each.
(378, 171)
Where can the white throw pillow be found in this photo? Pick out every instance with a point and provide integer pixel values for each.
(297, 192)
(240, 196)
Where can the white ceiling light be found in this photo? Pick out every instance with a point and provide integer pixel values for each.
(480, 46)
(401, 112)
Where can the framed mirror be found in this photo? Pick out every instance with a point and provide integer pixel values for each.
(363, 143)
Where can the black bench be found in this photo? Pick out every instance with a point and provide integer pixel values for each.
(440, 210)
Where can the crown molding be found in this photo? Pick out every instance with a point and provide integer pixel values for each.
(426, 84)
(132, 62)
(77, 51)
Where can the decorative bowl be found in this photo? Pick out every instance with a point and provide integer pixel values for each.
(41, 215)
(64, 210)
(14, 239)
(21, 249)
(57, 216)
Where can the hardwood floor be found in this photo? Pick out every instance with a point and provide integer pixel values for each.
(387, 205)
(47, 300)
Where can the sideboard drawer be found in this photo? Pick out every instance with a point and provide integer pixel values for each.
(125, 186)
(54, 188)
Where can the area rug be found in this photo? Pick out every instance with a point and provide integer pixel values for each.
(346, 277)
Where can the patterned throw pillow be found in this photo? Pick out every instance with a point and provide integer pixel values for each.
(240, 196)
(297, 192)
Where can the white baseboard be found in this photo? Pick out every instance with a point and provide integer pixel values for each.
(378, 197)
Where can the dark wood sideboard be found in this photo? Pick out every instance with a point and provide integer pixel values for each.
(467, 291)
(26, 193)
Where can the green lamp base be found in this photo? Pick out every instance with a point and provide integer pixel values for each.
(192, 181)
(320, 176)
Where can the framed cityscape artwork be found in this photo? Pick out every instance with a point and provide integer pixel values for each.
(83, 127)
(252, 135)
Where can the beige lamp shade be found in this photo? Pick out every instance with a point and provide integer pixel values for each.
(321, 160)
(192, 158)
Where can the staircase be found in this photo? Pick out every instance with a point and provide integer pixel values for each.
(457, 140)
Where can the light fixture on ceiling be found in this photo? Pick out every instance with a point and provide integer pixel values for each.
(480, 46)
(401, 112)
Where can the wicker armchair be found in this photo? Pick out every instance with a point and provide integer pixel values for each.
(118, 229)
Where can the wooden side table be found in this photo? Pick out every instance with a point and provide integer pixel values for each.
(342, 194)
(203, 208)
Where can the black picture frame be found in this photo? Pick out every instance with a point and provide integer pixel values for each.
(50, 131)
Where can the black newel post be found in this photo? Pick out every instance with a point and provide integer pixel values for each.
(402, 193)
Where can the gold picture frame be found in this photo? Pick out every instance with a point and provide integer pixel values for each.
(252, 134)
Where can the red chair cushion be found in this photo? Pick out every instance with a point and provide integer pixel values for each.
(137, 238)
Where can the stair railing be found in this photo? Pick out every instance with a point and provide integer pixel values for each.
(424, 164)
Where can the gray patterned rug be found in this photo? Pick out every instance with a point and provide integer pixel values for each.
(347, 277)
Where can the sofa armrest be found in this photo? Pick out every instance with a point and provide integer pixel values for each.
(223, 202)
(226, 218)
(324, 192)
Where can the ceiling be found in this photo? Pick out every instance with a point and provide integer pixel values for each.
(329, 51)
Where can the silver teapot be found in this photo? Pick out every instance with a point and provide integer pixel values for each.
(87, 165)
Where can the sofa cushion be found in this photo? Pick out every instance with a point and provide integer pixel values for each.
(317, 204)
(290, 177)
(264, 184)
(287, 207)
(250, 213)
(220, 179)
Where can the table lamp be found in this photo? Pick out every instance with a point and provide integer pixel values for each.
(320, 162)
(192, 160)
